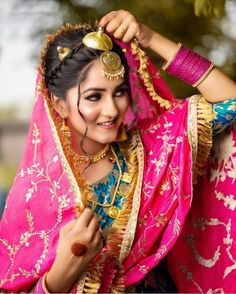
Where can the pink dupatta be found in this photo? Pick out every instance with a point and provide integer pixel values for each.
(204, 258)
(45, 191)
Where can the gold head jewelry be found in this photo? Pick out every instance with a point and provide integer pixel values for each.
(112, 66)
(98, 40)
(62, 52)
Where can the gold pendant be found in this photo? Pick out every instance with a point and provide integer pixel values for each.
(94, 205)
(113, 212)
(127, 178)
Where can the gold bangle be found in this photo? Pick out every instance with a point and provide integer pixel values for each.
(202, 78)
(167, 63)
(44, 283)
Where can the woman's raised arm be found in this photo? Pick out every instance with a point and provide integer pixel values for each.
(216, 86)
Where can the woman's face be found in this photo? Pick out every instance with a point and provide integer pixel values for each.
(103, 104)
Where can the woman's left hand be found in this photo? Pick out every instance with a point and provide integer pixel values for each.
(123, 25)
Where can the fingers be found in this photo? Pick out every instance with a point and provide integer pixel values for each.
(132, 31)
(85, 218)
(107, 18)
(121, 24)
(94, 223)
(121, 30)
(97, 240)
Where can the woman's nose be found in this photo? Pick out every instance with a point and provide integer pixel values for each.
(110, 107)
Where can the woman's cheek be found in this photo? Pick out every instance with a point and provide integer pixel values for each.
(89, 114)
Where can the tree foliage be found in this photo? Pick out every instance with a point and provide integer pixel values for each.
(191, 22)
(209, 7)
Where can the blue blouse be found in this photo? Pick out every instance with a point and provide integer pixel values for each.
(104, 190)
(225, 115)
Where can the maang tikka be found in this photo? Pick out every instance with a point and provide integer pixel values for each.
(112, 66)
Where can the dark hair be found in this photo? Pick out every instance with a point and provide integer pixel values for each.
(60, 76)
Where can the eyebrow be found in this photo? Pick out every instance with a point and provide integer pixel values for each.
(101, 89)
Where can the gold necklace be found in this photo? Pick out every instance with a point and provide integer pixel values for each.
(93, 158)
(95, 203)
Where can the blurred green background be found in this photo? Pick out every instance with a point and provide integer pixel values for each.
(208, 27)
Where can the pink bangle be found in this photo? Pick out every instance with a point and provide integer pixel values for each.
(188, 66)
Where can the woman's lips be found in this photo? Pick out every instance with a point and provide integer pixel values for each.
(108, 124)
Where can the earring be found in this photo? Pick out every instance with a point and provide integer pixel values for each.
(122, 134)
(65, 129)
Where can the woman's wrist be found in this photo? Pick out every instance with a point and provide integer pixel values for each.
(61, 279)
(163, 46)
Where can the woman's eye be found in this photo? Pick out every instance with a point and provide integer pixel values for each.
(93, 97)
(120, 92)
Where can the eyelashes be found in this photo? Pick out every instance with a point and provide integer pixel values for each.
(94, 96)
(97, 95)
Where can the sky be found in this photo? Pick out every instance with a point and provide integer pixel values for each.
(18, 70)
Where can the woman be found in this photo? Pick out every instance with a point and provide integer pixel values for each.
(106, 180)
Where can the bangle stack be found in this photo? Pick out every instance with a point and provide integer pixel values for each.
(188, 66)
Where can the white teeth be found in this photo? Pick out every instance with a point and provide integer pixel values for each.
(107, 123)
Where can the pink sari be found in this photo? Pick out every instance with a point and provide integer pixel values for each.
(45, 191)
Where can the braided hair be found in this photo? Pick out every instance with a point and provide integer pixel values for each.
(60, 76)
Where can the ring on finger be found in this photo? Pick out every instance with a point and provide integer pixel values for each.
(123, 29)
(114, 13)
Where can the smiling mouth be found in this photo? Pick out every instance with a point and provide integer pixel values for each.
(108, 123)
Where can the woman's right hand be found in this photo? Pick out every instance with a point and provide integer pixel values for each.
(67, 267)
(123, 25)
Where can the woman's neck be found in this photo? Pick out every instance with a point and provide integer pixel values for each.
(90, 146)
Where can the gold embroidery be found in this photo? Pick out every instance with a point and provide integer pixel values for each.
(210, 262)
(229, 200)
(201, 137)
(113, 212)
(228, 240)
(126, 178)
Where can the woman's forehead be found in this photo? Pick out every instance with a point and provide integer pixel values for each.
(95, 78)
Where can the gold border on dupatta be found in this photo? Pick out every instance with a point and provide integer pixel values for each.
(192, 126)
(132, 223)
(65, 164)
(200, 116)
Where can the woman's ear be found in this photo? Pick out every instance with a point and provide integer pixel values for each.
(60, 106)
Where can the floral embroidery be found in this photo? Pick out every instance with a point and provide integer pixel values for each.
(38, 177)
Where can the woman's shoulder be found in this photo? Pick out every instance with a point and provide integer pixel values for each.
(174, 115)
